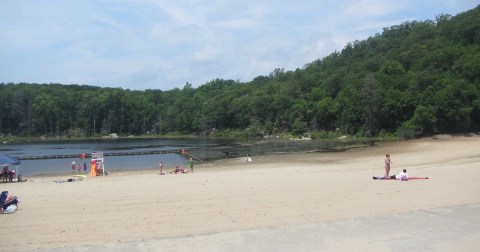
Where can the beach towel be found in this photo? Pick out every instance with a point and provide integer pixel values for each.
(409, 178)
(67, 180)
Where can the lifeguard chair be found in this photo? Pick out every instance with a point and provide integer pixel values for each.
(98, 165)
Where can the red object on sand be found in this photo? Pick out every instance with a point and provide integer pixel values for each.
(409, 178)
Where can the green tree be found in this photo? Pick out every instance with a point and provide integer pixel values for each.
(45, 111)
(371, 100)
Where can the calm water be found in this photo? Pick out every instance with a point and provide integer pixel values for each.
(204, 149)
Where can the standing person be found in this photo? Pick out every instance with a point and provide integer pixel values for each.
(388, 161)
(79, 168)
(73, 166)
(85, 167)
(191, 164)
(161, 168)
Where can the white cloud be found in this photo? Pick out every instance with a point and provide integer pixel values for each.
(372, 8)
(164, 44)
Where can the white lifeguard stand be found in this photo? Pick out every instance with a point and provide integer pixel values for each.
(97, 158)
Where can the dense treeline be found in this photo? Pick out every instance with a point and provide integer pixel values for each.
(413, 79)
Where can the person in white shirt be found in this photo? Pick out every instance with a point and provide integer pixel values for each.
(401, 176)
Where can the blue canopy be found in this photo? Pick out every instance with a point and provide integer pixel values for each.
(6, 159)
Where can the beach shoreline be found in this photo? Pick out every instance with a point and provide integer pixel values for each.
(233, 195)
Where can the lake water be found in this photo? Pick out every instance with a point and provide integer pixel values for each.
(205, 149)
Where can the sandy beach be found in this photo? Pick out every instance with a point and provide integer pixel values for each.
(287, 202)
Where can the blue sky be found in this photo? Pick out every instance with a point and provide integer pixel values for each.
(162, 44)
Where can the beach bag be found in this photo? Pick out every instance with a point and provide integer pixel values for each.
(8, 203)
(10, 209)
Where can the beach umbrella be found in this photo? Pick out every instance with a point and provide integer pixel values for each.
(8, 160)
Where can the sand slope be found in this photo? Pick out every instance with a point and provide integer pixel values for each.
(232, 195)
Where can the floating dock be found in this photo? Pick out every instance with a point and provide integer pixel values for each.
(89, 155)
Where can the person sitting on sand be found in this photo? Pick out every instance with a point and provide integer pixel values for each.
(401, 176)
(4, 174)
(11, 175)
(178, 169)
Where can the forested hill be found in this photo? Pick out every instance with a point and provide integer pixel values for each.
(416, 78)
